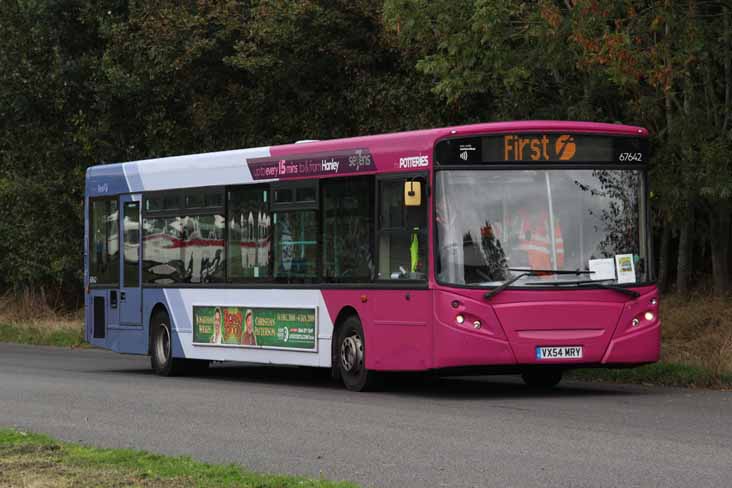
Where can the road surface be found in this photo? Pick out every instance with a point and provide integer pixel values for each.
(455, 432)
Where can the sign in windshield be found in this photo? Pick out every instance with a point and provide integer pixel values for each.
(540, 148)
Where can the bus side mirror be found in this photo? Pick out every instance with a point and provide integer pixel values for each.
(412, 193)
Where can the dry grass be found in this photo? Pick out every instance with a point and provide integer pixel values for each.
(35, 310)
(30, 319)
(697, 331)
(696, 346)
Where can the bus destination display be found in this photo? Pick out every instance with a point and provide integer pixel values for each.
(540, 148)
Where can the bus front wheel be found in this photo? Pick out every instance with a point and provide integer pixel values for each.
(542, 378)
(351, 356)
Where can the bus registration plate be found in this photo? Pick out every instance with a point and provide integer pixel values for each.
(559, 352)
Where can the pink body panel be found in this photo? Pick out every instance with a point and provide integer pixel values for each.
(420, 332)
(397, 325)
(388, 149)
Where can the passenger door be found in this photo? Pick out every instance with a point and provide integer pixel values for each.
(130, 292)
(103, 262)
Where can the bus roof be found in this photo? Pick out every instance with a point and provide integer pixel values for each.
(399, 151)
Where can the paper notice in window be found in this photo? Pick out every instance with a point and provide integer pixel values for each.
(625, 268)
(602, 269)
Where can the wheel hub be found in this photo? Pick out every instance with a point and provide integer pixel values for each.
(352, 354)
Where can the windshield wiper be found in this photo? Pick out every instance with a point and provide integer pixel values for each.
(592, 284)
(533, 272)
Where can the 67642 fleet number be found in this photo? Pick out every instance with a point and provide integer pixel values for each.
(631, 157)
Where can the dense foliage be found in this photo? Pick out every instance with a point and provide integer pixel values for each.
(84, 82)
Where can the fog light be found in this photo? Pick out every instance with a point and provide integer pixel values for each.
(636, 322)
(459, 319)
(476, 324)
(649, 316)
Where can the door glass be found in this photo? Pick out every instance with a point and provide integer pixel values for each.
(131, 244)
(402, 233)
(104, 243)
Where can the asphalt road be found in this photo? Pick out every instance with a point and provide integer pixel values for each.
(485, 431)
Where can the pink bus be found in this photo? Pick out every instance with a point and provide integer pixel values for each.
(512, 247)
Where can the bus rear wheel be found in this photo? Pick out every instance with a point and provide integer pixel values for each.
(351, 357)
(542, 378)
(161, 357)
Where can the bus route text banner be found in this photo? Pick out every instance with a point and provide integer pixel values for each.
(319, 164)
(253, 327)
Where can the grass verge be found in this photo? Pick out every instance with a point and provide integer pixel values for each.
(70, 336)
(662, 373)
(37, 460)
(29, 318)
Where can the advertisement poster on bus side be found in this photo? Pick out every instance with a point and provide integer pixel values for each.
(278, 328)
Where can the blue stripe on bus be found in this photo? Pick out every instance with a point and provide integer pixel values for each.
(106, 180)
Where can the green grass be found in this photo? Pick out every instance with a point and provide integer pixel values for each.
(661, 373)
(46, 336)
(28, 459)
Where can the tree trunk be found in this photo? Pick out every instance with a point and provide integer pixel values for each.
(683, 267)
(664, 258)
(721, 220)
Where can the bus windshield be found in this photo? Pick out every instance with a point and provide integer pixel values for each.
(493, 225)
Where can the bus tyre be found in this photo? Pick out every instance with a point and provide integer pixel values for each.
(161, 359)
(351, 356)
(542, 378)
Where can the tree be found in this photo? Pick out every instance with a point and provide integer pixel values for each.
(671, 61)
(660, 64)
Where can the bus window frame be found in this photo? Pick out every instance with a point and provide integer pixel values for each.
(227, 206)
(96, 285)
(643, 168)
(176, 212)
(294, 206)
(270, 282)
(402, 176)
(372, 184)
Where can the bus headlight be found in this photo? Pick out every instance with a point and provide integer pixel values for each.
(459, 319)
(649, 316)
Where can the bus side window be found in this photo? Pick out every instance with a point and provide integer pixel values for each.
(295, 227)
(347, 214)
(184, 245)
(250, 234)
(402, 232)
